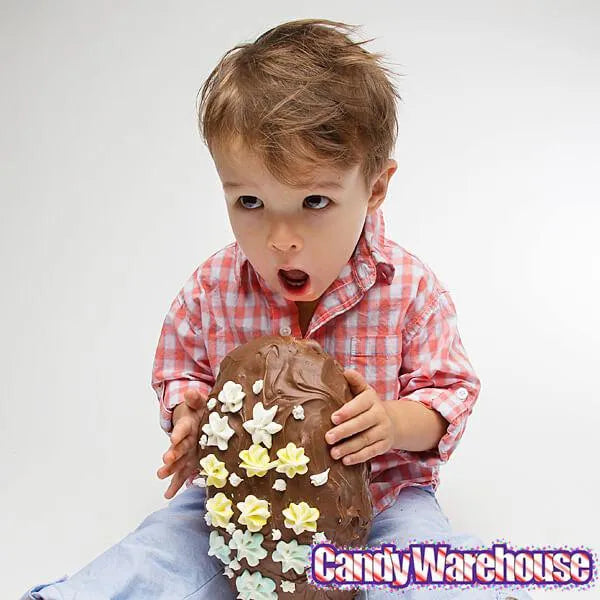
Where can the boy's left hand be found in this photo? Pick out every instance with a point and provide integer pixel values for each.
(364, 427)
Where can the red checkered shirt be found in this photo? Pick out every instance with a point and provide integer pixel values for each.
(386, 315)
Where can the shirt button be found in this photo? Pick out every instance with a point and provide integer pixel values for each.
(462, 393)
(285, 331)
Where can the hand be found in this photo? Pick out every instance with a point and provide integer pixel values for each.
(363, 423)
(183, 455)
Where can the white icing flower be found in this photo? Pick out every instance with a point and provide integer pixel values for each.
(261, 427)
(208, 519)
(280, 485)
(257, 386)
(276, 534)
(319, 537)
(218, 431)
(319, 478)
(212, 402)
(231, 396)
(228, 572)
(298, 412)
(235, 479)
(230, 528)
(235, 565)
(288, 586)
(200, 482)
(203, 441)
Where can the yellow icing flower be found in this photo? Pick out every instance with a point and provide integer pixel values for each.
(301, 517)
(219, 509)
(291, 460)
(215, 471)
(256, 460)
(255, 512)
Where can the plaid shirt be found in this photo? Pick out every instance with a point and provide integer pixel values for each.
(386, 315)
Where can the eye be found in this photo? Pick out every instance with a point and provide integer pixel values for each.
(316, 198)
(241, 200)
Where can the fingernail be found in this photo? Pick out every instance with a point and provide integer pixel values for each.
(335, 418)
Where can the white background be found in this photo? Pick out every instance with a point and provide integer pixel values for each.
(109, 202)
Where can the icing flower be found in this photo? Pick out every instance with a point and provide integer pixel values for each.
(219, 509)
(280, 485)
(291, 556)
(235, 479)
(298, 412)
(318, 537)
(235, 565)
(215, 471)
(275, 534)
(200, 482)
(212, 402)
(288, 586)
(292, 461)
(207, 519)
(218, 431)
(256, 461)
(248, 546)
(301, 517)
(255, 512)
(228, 572)
(217, 547)
(261, 427)
(203, 441)
(319, 478)
(257, 386)
(231, 396)
(253, 586)
(230, 528)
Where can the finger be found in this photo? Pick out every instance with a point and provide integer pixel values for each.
(194, 399)
(352, 426)
(175, 452)
(357, 405)
(358, 384)
(177, 481)
(167, 470)
(367, 453)
(357, 442)
(182, 429)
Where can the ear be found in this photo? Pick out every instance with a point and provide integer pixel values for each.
(380, 185)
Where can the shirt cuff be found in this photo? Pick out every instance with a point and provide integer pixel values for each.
(455, 405)
(171, 393)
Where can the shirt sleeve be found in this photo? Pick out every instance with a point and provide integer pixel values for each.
(436, 372)
(181, 361)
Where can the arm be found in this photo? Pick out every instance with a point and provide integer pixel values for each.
(438, 386)
(181, 361)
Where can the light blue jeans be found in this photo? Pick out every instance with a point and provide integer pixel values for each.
(166, 557)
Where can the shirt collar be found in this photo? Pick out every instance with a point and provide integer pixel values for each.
(370, 248)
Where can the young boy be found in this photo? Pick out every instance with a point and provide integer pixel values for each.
(300, 125)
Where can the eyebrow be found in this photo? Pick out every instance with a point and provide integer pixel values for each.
(321, 184)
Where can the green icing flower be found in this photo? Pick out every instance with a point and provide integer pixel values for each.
(253, 586)
(292, 556)
(217, 547)
(248, 546)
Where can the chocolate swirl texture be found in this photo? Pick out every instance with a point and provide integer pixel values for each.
(294, 373)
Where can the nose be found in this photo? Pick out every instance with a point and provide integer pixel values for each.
(284, 238)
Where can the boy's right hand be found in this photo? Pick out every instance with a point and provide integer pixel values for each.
(183, 456)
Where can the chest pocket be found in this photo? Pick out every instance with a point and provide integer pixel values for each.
(378, 359)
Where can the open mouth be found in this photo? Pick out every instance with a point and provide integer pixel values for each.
(295, 281)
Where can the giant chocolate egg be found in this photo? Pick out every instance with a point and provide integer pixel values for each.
(272, 487)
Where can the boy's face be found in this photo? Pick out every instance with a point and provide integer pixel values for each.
(313, 229)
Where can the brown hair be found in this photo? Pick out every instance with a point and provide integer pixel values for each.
(303, 92)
